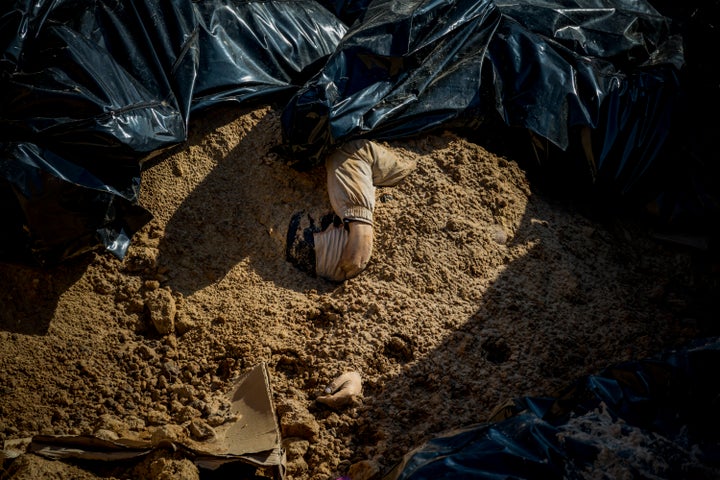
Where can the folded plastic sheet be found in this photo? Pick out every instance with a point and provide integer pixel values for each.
(54, 209)
(260, 50)
(555, 68)
(89, 89)
(654, 418)
(94, 88)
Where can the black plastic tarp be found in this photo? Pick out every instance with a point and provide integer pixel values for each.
(262, 50)
(652, 418)
(551, 67)
(609, 101)
(93, 88)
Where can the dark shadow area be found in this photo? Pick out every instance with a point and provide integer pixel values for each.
(140, 467)
(654, 407)
(30, 294)
(536, 345)
(235, 215)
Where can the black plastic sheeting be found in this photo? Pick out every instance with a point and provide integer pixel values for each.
(551, 67)
(654, 418)
(260, 51)
(91, 89)
(617, 95)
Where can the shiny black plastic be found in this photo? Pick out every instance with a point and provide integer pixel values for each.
(553, 68)
(653, 418)
(105, 85)
(91, 89)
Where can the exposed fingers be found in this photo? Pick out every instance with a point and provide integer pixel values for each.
(343, 390)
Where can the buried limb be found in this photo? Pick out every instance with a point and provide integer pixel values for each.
(341, 245)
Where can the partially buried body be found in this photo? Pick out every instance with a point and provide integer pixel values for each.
(354, 170)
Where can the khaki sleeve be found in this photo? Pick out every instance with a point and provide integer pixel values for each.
(353, 172)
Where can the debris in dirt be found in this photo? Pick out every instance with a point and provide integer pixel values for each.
(254, 438)
(161, 309)
(298, 422)
(400, 347)
(363, 470)
(14, 448)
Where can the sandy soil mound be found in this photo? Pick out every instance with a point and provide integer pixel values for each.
(481, 289)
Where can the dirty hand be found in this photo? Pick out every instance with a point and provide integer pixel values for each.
(358, 249)
(342, 252)
(343, 390)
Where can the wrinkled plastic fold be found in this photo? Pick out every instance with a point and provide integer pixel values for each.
(103, 86)
(553, 68)
(651, 418)
(107, 85)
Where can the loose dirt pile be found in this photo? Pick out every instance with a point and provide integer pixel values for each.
(481, 289)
